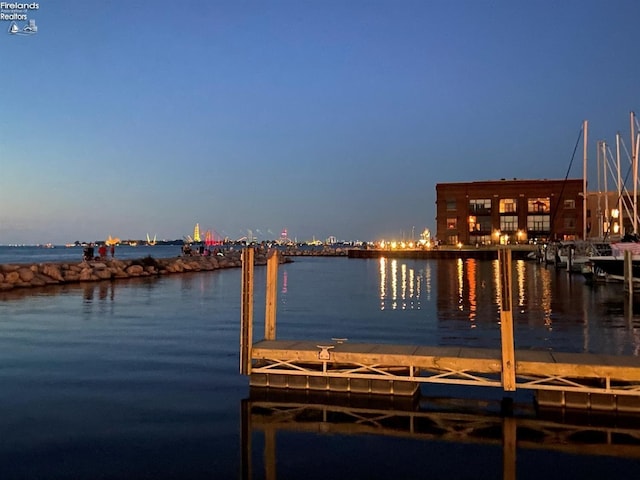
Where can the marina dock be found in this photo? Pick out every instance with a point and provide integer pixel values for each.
(571, 380)
(519, 252)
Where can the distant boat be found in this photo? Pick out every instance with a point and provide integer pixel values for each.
(151, 242)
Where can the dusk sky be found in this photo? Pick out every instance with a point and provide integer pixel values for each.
(322, 117)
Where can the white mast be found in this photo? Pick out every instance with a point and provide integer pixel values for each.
(620, 216)
(584, 181)
(601, 215)
(634, 162)
(635, 185)
(607, 213)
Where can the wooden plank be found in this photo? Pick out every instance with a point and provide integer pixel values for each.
(283, 344)
(437, 352)
(479, 353)
(394, 349)
(534, 356)
(592, 366)
(355, 347)
(620, 361)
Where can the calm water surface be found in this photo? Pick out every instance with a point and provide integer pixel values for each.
(139, 379)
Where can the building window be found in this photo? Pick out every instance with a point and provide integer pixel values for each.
(508, 205)
(509, 223)
(452, 223)
(451, 205)
(539, 205)
(484, 224)
(569, 204)
(480, 239)
(473, 223)
(452, 239)
(538, 223)
(480, 205)
(569, 224)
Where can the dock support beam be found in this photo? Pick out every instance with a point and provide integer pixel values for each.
(246, 311)
(506, 321)
(272, 296)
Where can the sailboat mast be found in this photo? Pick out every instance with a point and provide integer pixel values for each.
(635, 185)
(634, 161)
(607, 214)
(601, 214)
(584, 181)
(620, 215)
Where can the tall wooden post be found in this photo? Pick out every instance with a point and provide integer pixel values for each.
(506, 321)
(246, 311)
(272, 296)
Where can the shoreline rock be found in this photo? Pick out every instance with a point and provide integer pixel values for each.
(16, 276)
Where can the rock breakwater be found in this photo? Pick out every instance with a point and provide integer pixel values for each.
(42, 274)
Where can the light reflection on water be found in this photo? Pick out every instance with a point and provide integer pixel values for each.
(139, 378)
(544, 299)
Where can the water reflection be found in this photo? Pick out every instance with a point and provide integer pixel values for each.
(278, 427)
(476, 285)
(552, 309)
(402, 285)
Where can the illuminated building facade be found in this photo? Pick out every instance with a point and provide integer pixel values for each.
(509, 211)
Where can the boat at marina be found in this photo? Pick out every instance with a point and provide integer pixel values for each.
(574, 255)
(611, 267)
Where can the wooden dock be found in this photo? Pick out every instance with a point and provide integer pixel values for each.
(585, 381)
(598, 382)
(520, 252)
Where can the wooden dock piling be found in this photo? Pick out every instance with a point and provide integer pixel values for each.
(246, 311)
(272, 296)
(506, 321)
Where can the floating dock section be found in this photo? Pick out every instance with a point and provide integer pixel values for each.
(571, 380)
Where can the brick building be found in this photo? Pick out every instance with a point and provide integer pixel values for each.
(509, 211)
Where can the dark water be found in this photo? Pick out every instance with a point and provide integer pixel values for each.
(139, 379)
(60, 253)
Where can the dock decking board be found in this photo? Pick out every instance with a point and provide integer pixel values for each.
(365, 362)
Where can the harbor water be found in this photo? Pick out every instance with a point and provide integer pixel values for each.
(139, 378)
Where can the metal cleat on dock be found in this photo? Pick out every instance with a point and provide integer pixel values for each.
(324, 353)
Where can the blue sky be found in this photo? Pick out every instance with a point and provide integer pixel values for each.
(322, 117)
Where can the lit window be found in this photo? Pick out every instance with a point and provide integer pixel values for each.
(508, 205)
(539, 205)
